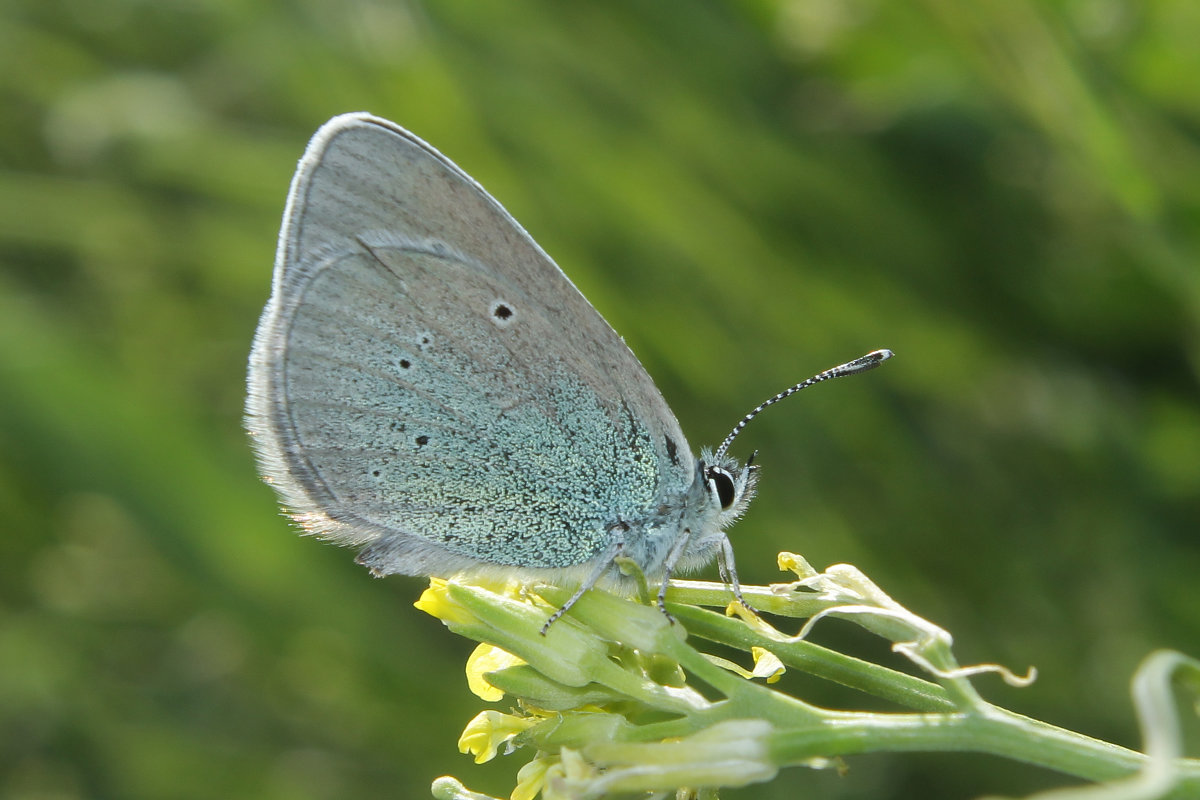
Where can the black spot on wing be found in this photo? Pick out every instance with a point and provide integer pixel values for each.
(672, 450)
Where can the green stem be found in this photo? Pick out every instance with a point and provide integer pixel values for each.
(753, 729)
(888, 684)
(996, 732)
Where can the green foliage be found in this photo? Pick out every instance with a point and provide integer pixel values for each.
(1004, 192)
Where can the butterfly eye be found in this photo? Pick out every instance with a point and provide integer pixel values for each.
(722, 482)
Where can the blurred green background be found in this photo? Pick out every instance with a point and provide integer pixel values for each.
(1006, 193)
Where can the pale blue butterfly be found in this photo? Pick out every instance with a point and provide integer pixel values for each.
(428, 386)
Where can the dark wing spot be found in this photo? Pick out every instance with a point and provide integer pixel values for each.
(672, 450)
(502, 313)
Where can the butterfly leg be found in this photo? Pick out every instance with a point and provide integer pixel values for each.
(668, 567)
(603, 562)
(728, 571)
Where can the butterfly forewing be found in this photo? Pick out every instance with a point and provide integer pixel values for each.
(426, 380)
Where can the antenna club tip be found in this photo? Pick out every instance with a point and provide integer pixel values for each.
(861, 364)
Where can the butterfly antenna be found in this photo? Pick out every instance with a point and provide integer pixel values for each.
(862, 364)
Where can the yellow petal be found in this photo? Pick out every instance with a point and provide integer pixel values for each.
(488, 658)
(531, 778)
(436, 602)
(790, 562)
(487, 731)
(767, 664)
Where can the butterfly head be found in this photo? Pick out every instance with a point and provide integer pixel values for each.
(728, 484)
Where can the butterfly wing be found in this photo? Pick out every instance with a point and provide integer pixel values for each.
(426, 382)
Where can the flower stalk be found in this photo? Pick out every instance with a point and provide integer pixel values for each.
(615, 698)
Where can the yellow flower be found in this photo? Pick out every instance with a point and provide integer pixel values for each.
(532, 777)
(767, 665)
(436, 602)
(488, 730)
(488, 658)
(790, 562)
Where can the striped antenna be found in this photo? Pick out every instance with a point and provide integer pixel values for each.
(862, 364)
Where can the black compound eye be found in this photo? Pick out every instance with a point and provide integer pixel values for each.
(722, 481)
